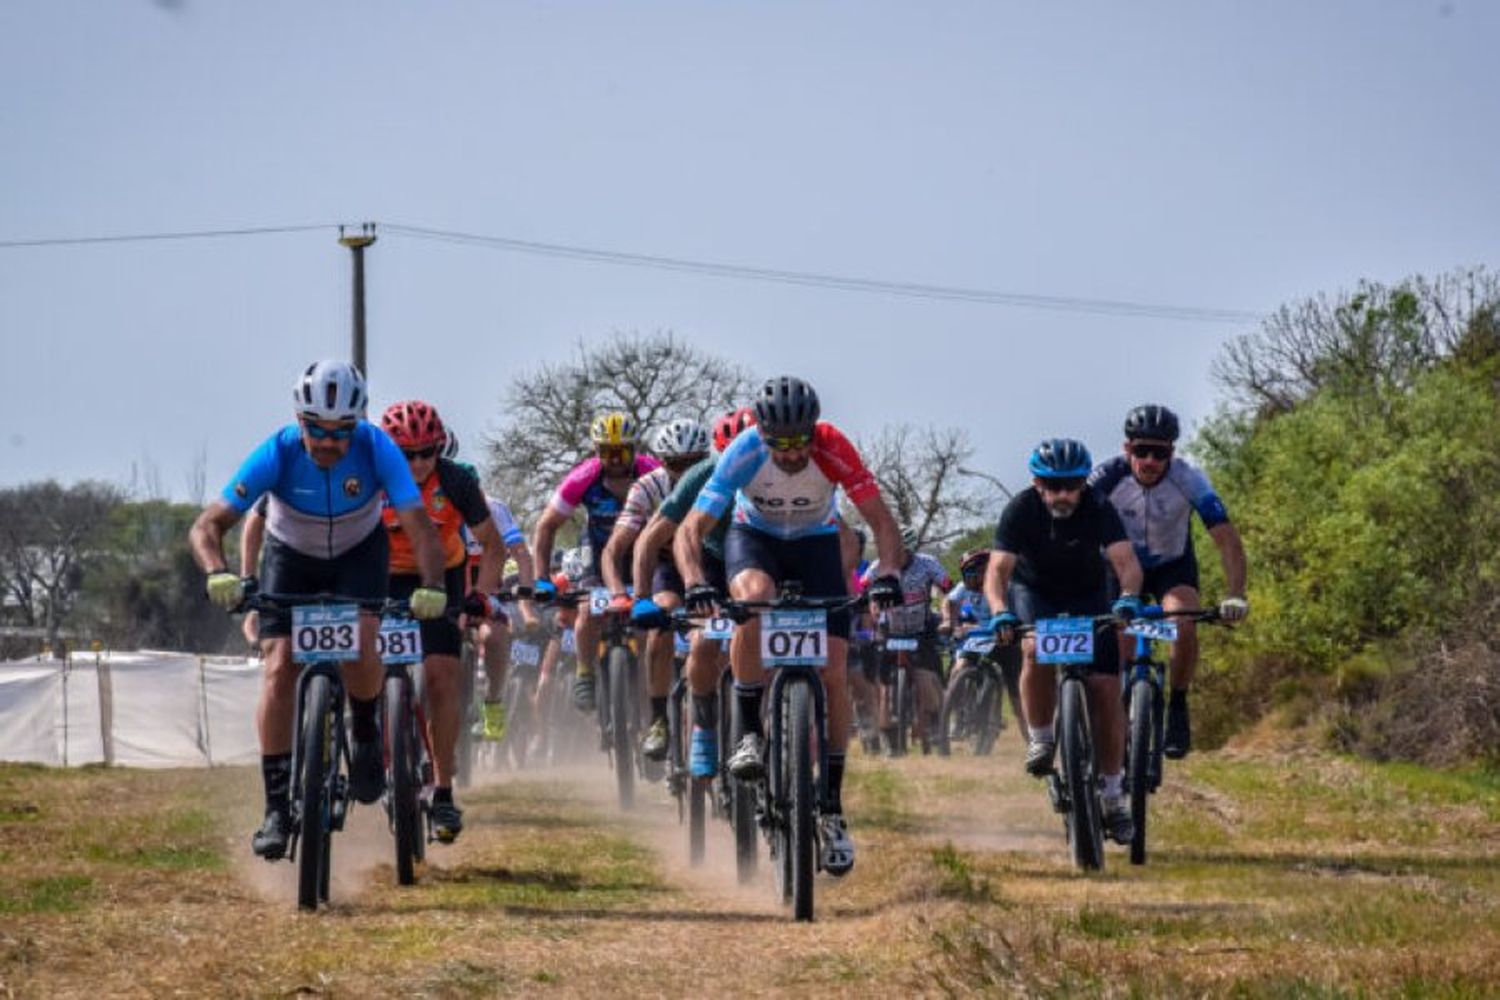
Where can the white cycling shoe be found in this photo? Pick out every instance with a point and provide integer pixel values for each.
(838, 847)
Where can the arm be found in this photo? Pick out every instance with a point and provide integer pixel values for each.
(616, 550)
(657, 536)
(546, 533)
(206, 537)
(997, 580)
(252, 537)
(1127, 567)
(490, 561)
(526, 573)
(887, 534)
(425, 543)
(687, 547)
(1232, 555)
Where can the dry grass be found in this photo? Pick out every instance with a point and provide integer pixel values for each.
(1278, 872)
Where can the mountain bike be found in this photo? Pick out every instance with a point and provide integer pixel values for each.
(1145, 705)
(793, 792)
(522, 726)
(898, 689)
(980, 680)
(325, 633)
(408, 751)
(695, 795)
(619, 700)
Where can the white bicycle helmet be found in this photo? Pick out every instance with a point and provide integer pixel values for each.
(330, 390)
(680, 437)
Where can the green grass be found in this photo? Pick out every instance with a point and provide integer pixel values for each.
(53, 894)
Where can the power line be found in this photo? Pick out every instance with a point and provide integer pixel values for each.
(67, 241)
(1062, 303)
(839, 282)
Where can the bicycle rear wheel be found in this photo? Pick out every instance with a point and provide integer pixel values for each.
(622, 709)
(403, 783)
(1138, 765)
(1085, 832)
(315, 792)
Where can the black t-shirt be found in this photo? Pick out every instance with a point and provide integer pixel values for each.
(1059, 558)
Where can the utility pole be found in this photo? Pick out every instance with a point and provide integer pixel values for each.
(356, 245)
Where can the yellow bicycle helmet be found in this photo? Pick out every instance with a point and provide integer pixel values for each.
(613, 429)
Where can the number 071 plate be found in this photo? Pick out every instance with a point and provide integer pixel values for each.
(794, 638)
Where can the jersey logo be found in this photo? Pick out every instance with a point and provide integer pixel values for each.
(352, 487)
(241, 491)
(781, 501)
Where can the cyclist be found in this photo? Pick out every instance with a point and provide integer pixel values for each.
(325, 475)
(703, 660)
(452, 498)
(921, 575)
(562, 622)
(1047, 562)
(1156, 494)
(680, 444)
(966, 610)
(600, 485)
(782, 477)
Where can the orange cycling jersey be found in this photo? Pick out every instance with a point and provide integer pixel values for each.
(452, 497)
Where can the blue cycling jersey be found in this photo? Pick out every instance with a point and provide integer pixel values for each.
(323, 512)
(1156, 518)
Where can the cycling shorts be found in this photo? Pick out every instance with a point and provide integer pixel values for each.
(1029, 606)
(666, 579)
(440, 636)
(359, 573)
(815, 560)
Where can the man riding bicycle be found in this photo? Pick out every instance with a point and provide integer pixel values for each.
(782, 477)
(599, 485)
(921, 577)
(1156, 493)
(452, 499)
(965, 610)
(680, 445)
(325, 475)
(1047, 563)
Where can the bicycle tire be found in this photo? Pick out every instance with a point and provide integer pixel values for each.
(403, 783)
(987, 698)
(314, 790)
(1085, 835)
(697, 819)
(798, 787)
(620, 712)
(902, 711)
(518, 725)
(1138, 765)
(464, 750)
(954, 720)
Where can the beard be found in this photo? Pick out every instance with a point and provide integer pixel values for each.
(1061, 510)
(792, 465)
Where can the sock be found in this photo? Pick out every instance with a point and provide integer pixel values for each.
(1114, 785)
(276, 772)
(362, 716)
(749, 701)
(835, 782)
(1043, 734)
(706, 711)
(658, 710)
(441, 794)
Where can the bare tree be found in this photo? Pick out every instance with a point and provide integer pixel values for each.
(48, 536)
(544, 430)
(923, 477)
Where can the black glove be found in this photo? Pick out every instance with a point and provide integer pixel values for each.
(481, 606)
(885, 591)
(701, 598)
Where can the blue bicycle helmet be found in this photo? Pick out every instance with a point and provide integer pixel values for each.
(1060, 458)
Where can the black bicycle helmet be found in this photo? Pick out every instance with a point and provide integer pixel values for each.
(787, 407)
(1060, 458)
(1151, 421)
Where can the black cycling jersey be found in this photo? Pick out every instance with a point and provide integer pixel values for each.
(1060, 558)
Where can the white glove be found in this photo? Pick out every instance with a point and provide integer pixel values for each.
(1234, 609)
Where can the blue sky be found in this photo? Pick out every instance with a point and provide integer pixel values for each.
(1218, 155)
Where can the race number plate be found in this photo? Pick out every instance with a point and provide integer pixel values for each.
(525, 654)
(1065, 640)
(325, 633)
(979, 645)
(400, 641)
(719, 628)
(896, 644)
(1163, 630)
(794, 638)
(599, 600)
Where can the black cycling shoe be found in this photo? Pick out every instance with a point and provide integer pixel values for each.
(1179, 738)
(447, 822)
(366, 771)
(583, 692)
(270, 841)
(1039, 757)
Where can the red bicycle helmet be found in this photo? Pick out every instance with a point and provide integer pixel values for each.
(414, 424)
(727, 427)
(974, 561)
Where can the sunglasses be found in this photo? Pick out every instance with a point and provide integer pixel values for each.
(616, 453)
(1160, 452)
(789, 443)
(1061, 485)
(320, 433)
(680, 465)
(412, 454)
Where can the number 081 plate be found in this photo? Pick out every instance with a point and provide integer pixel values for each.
(794, 638)
(325, 633)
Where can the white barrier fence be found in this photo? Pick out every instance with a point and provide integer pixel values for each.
(142, 709)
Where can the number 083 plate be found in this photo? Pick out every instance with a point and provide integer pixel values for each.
(794, 638)
(1065, 640)
(325, 633)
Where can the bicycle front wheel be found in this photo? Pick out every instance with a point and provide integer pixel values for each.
(403, 782)
(315, 792)
(1138, 765)
(797, 786)
(621, 710)
(1085, 832)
